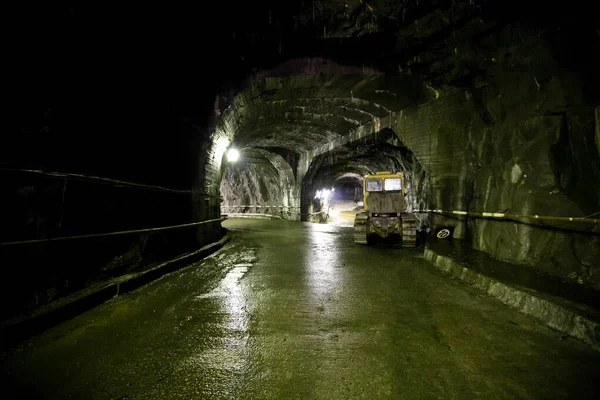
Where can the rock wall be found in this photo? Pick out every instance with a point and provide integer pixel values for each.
(518, 140)
(261, 182)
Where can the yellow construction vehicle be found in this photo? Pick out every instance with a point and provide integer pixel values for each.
(384, 212)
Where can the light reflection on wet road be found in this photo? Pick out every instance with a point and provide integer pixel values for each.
(297, 311)
(322, 262)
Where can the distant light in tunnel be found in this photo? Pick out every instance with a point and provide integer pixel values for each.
(323, 194)
(220, 147)
(233, 155)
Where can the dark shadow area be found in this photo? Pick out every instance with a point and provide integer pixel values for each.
(37, 207)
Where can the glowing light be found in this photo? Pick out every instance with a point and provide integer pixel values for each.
(323, 194)
(233, 155)
(221, 145)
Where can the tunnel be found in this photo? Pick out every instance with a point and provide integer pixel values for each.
(185, 191)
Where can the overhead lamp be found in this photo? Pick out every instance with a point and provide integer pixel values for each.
(233, 155)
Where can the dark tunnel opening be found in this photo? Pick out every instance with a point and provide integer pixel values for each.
(348, 187)
(345, 199)
(382, 152)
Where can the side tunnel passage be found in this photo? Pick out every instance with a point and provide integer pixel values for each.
(343, 169)
(259, 182)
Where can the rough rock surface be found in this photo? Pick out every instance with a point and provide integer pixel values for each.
(513, 144)
(260, 182)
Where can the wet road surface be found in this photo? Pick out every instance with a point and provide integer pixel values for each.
(297, 311)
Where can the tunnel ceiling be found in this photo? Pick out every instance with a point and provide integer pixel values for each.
(359, 158)
(371, 66)
(127, 75)
(373, 60)
(303, 112)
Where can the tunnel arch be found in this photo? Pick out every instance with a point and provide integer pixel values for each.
(308, 105)
(348, 180)
(350, 175)
(261, 181)
(355, 160)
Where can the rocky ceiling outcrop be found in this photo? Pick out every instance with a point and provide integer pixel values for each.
(186, 64)
(259, 178)
(444, 40)
(352, 65)
(306, 111)
(306, 107)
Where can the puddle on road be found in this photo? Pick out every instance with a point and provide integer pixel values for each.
(226, 353)
(230, 297)
(229, 283)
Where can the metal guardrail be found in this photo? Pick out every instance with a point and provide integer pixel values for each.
(272, 207)
(244, 206)
(118, 183)
(277, 210)
(114, 182)
(586, 219)
(517, 216)
(98, 235)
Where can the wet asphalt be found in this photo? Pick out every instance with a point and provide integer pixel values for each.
(298, 311)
